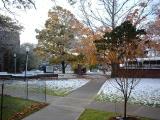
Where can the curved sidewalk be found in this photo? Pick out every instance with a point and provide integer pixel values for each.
(71, 106)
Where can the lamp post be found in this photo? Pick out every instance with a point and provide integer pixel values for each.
(26, 65)
(2, 89)
(15, 65)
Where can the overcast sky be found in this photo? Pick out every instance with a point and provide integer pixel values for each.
(35, 18)
(32, 19)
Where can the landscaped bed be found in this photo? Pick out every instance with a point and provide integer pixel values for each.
(147, 93)
(90, 114)
(17, 108)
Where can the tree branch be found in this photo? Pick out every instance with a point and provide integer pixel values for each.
(121, 7)
(4, 5)
(32, 3)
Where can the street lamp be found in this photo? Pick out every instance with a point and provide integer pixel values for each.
(15, 65)
(26, 65)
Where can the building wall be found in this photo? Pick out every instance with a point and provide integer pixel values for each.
(9, 44)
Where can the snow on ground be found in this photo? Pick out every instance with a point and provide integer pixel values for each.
(98, 72)
(70, 83)
(147, 92)
(63, 84)
(28, 73)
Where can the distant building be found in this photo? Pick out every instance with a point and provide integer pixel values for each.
(9, 44)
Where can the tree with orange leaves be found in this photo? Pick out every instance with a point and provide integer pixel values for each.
(57, 40)
(87, 47)
(120, 44)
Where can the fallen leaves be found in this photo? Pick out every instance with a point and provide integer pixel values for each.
(28, 110)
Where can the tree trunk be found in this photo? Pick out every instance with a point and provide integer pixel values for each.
(125, 108)
(114, 71)
(79, 69)
(113, 14)
(63, 67)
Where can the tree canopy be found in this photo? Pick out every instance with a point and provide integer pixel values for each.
(121, 41)
(6, 23)
(33, 61)
(58, 36)
(119, 45)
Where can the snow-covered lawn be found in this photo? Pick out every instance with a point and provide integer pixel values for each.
(53, 87)
(71, 84)
(147, 92)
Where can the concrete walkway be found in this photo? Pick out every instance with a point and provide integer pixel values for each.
(71, 106)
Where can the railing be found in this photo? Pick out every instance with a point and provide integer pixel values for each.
(13, 87)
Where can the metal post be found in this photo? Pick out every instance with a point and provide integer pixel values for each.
(45, 92)
(15, 63)
(26, 65)
(2, 102)
(26, 73)
(27, 50)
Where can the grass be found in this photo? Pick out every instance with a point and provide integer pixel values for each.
(90, 114)
(41, 90)
(59, 92)
(17, 108)
(50, 91)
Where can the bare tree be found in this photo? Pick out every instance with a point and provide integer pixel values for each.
(111, 13)
(125, 82)
(19, 4)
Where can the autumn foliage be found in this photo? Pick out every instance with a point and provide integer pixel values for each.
(64, 34)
